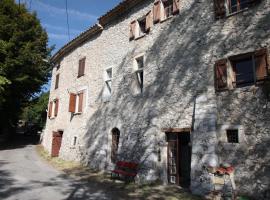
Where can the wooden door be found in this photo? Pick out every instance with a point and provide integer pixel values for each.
(179, 158)
(56, 143)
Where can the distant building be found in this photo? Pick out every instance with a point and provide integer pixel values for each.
(174, 85)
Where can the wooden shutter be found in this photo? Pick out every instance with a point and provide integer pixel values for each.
(220, 10)
(261, 64)
(80, 106)
(149, 21)
(221, 74)
(50, 109)
(157, 11)
(175, 6)
(132, 30)
(72, 103)
(56, 81)
(115, 143)
(56, 107)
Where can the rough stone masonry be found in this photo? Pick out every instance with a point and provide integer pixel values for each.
(178, 92)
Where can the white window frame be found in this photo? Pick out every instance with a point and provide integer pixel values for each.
(108, 79)
(138, 70)
(85, 100)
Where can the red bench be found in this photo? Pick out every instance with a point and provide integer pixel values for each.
(128, 170)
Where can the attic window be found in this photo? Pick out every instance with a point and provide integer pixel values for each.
(142, 26)
(168, 8)
(232, 136)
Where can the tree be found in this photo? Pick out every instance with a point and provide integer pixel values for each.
(35, 112)
(23, 49)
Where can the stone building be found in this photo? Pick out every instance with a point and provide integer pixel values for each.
(174, 85)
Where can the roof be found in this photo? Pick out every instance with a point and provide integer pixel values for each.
(118, 11)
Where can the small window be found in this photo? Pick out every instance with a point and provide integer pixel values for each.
(142, 26)
(237, 5)
(81, 67)
(168, 8)
(74, 141)
(139, 72)
(56, 81)
(232, 136)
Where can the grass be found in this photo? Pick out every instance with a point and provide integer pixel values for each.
(56, 162)
(115, 188)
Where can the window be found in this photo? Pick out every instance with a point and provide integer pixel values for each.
(139, 72)
(53, 108)
(56, 81)
(74, 141)
(115, 144)
(237, 5)
(108, 80)
(242, 70)
(168, 8)
(164, 9)
(224, 8)
(76, 102)
(81, 67)
(232, 136)
(140, 27)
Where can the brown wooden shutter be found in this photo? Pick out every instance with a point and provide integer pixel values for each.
(56, 107)
(220, 10)
(261, 64)
(221, 74)
(80, 107)
(149, 21)
(175, 6)
(115, 143)
(156, 11)
(50, 109)
(72, 103)
(56, 81)
(132, 30)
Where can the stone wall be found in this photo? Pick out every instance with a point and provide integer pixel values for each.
(178, 91)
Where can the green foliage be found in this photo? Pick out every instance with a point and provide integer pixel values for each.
(35, 112)
(23, 48)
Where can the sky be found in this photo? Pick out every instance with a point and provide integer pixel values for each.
(82, 14)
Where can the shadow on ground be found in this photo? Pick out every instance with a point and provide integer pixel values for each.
(18, 141)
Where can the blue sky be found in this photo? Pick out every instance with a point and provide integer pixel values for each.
(81, 13)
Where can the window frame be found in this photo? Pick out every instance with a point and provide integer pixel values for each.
(238, 7)
(57, 77)
(81, 67)
(139, 72)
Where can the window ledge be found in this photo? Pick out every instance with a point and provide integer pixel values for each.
(168, 18)
(52, 118)
(141, 36)
(235, 13)
(79, 76)
(72, 147)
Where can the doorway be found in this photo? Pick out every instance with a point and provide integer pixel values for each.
(178, 158)
(56, 143)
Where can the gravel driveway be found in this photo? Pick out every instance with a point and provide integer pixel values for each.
(24, 176)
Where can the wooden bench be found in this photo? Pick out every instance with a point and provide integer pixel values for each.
(128, 170)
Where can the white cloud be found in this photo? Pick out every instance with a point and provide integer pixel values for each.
(62, 11)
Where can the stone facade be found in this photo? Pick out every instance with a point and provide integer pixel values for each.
(179, 92)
